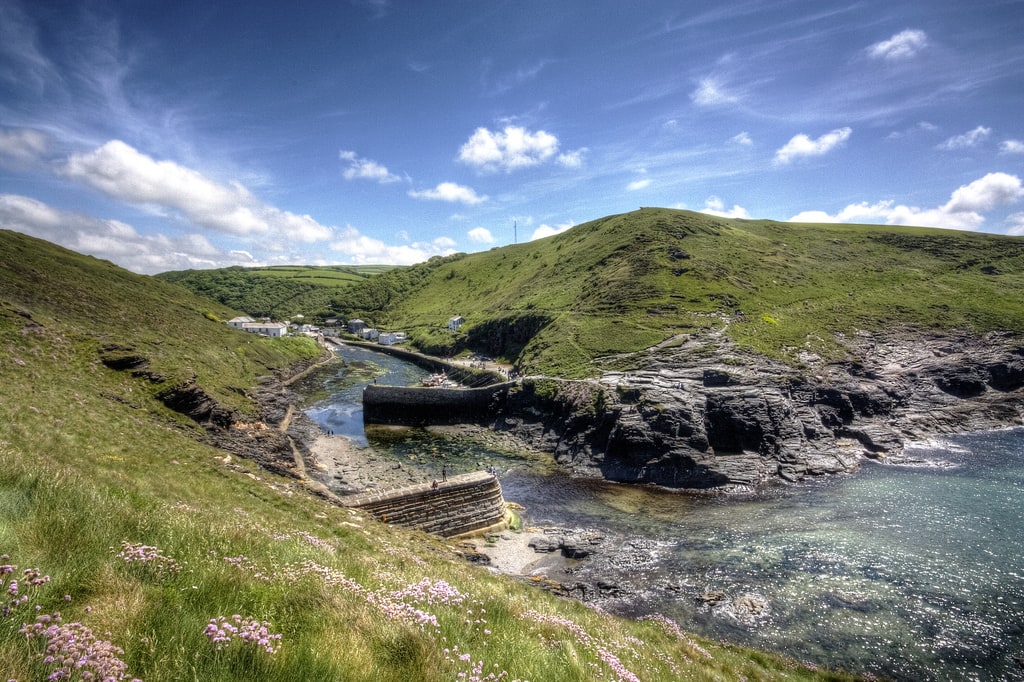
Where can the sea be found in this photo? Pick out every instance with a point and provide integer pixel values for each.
(909, 571)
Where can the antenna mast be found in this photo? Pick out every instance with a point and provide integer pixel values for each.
(515, 231)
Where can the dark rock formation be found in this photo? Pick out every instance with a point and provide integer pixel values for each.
(691, 419)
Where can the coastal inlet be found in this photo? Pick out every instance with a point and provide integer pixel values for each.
(909, 572)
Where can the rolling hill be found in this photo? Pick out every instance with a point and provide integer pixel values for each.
(628, 282)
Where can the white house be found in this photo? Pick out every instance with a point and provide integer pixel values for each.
(391, 338)
(240, 322)
(274, 330)
(369, 333)
(455, 322)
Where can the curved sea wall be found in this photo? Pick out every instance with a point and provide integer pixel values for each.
(462, 504)
(415, 406)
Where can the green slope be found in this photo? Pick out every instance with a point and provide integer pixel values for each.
(627, 282)
(281, 292)
(146, 534)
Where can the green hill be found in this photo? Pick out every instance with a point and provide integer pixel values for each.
(280, 292)
(129, 548)
(628, 282)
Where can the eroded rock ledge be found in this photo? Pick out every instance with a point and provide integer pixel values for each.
(699, 418)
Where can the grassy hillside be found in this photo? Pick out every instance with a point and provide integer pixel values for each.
(281, 292)
(630, 281)
(129, 549)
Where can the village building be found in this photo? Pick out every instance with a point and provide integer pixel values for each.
(274, 330)
(240, 321)
(456, 322)
(391, 338)
(356, 326)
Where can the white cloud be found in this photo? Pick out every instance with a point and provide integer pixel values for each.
(122, 172)
(1011, 147)
(742, 139)
(963, 211)
(481, 235)
(548, 230)
(510, 149)
(449, 191)
(22, 144)
(361, 249)
(969, 139)
(801, 145)
(710, 93)
(365, 169)
(715, 206)
(903, 45)
(573, 159)
(1015, 221)
(638, 184)
(112, 239)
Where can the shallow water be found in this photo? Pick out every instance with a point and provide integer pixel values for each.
(910, 572)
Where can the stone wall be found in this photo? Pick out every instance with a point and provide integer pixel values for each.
(462, 504)
(416, 406)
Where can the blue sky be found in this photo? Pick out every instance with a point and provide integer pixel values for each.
(173, 135)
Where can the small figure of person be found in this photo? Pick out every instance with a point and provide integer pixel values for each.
(444, 473)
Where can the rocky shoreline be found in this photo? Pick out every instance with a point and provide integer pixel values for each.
(703, 415)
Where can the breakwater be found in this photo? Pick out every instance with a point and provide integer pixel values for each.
(460, 373)
(463, 504)
(414, 406)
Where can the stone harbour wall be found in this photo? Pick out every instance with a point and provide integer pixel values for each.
(463, 504)
(415, 406)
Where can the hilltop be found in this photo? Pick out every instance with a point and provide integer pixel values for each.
(134, 547)
(575, 303)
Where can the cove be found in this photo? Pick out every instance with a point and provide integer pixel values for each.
(911, 572)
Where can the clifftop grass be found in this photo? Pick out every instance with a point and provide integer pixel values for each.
(148, 546)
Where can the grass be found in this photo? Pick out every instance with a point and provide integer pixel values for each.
(144, 534)
(624, 283)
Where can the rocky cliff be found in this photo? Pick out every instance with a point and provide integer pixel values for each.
(703, 414)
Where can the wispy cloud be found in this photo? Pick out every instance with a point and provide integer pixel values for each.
(903, 45)
(1011, 147)
(963, 211)
(365, 169)
(638, 185)
(803, 146)
(451, 192)
(711, 93)
(969, 139)
(23, 145)
(742, 139)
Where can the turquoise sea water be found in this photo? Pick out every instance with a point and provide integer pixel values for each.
(911, 572)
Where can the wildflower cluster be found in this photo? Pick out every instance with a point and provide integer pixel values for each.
(222, 631)
(74, 650)
(244, 563)
(14, 589)
(583, 637)
(147, 556)
(309, 538)
(672, 628)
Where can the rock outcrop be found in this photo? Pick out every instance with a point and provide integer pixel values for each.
(696, 418)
